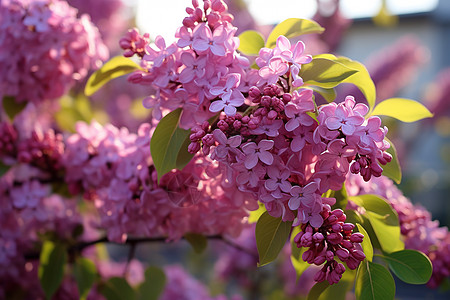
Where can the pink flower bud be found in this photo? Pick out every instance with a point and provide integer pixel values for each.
(320, 276)
(348, 226)
(336, 227)
(319, 260)
(356, 237)
(334, 238)
(343, 254)
(359, 255)
(329, 255)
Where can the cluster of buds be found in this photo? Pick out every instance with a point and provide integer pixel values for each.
(333, 238)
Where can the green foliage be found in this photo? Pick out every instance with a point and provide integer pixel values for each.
(73, 109)
(255, 214)
(117, 288)
(292, 28)
(341, 198)
(328, 94)
(11, 107)
(169, 144)
(51, 268)
(361, 80)
(3, 169)
(374, 282)
(115, 67)
(338, 291)
(198, 241)
(392, 169)
(250, 42)
(410, 266)
(405, 110)
(325, 73)
(85, 273)
(383, 219)
(317, 290)
(153, 285)
(366, 243)
(271, 235)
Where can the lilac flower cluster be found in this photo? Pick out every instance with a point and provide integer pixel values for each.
(113, 169)
(45, 48)
(333, 239)
(418, 229)
(286, 159)
(200, 67)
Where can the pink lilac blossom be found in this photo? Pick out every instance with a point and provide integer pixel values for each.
(45, 48)
(113, 168)
(418, 229)
(203, 63)
(333, 239)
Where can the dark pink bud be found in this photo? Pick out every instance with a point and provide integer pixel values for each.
(336, 227)
(356, 237)
(306, 240)
(245, 119)
(340, 269)
(358, 254)
(206, 4)
(189, 10)
(298, 236)
(319, 260)
(347, 244)
(333, 277)
(287, 97)
(272, 114)
(237, 124)
(355, 168)
(334, 238)
(329, 255)
(318, 237)
(343, 254)
(320, 276)
(348, 226)
(308, 256)
(219, 6)
(352, 263)
(193, 147)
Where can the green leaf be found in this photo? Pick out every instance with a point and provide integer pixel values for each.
(361, 80)
(325, 73)
(405, 110)
(3, 169)
(317, 290)
(392, 169)
(51, 268)
(410, 266)
(366, 243)
(374, 282)
(338, 291)
(384, 220)
(168, 144)
(85, 273)
(153, 285)
(255, 214)
(115, 67)
(341, 198)
(292, 28)
(197, 241)
(353, 216)
(271, 235)
(328, 94)
(250, 42)
(117, 288)
(11, 107)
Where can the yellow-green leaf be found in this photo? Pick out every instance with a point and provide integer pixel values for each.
(11, 107)
(85, 273)
(392, 169)
(325, 73)
(197, 241)
(51, 268)
(410, 266)
(374, 282)
(250, 42)
(291, 28)
(366, 243)
(361, 80)
(168, 143)
(115, 67)
(271, 235)
(405, 110)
